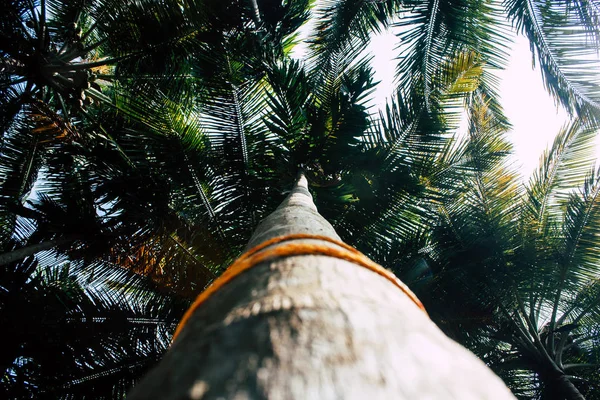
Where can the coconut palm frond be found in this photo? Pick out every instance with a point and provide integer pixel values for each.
(565, 49)
(431, 33)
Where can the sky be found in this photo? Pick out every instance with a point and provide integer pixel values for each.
(533, 112)
(535, 117)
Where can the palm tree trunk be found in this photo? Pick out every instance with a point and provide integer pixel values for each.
(30, 250)
(560, 383)
(313, 327)
(568, 388)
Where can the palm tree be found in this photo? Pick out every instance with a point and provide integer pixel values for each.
(278, 323)
(228, 68)
(203, 118)
(231, 167)
(510, 271)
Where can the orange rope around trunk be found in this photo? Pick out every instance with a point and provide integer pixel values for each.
(255, 256)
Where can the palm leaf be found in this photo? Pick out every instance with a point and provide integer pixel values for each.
(560, 43)
(431, 33)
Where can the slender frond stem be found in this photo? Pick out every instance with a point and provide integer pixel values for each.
(190, 254)
(532, 327)
(538, 310)
(556, 303)
(202, 194)
(576, 366)
(62, 48)
(535, 344)
(428, 41)
(94, 46)
(26, 31)
(559, 349)
(111, 139)
(66, 57)
(63, 106)
(520, 329)
(579, 341)
(256, 14)
(42, 25)
(532, 300)
(200, 190)
(240, 125)
(243, 144)
(16, 82)
(103, 374)
(81, 66)
(25, 177)
(546, 49)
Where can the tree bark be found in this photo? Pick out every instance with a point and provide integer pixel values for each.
(30, 250)
(568, 388)
(313, 327)
(560, 383)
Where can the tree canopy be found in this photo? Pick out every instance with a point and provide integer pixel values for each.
(142, 141)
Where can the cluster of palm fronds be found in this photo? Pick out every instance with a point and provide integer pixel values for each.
(512, 270)
(142, 141)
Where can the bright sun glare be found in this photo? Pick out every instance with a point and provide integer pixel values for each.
(534, 114)
(535, 117)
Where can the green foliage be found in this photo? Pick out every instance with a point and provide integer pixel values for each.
(146, 139)
(564, 41)
(512, 271)
(64, 341)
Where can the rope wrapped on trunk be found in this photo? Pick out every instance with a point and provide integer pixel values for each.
(256, 255)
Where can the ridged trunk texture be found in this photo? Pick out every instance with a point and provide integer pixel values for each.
(314, 327)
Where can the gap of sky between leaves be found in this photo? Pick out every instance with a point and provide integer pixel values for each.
(535, 117)
(534, 114)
